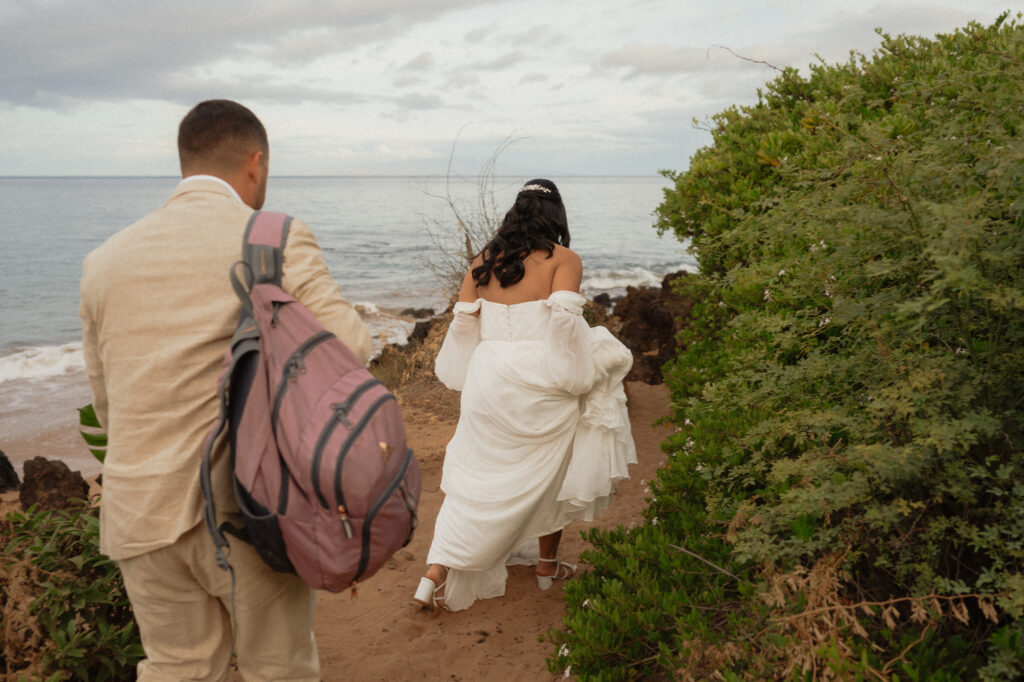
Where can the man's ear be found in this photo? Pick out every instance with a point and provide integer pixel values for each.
(254, 165)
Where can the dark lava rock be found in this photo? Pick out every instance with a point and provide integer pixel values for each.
(8, 476)
(420, 330)
(647, 321)
(50, 484)
(418, 312)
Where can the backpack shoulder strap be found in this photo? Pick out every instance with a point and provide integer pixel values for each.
(263, 246)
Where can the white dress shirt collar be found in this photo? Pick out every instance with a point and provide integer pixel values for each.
(213, 178)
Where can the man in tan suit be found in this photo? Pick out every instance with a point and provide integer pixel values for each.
(157, 317)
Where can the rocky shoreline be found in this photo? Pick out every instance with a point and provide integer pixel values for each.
(379, 635)
(646, 320)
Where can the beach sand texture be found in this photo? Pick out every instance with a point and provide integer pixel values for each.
(378, 634)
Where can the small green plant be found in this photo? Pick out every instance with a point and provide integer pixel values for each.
(78, 623)
(94, 436)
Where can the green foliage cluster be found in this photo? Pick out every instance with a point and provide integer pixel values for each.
(79, 623)
(844, 495)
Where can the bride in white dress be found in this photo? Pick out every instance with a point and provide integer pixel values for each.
(543, 434)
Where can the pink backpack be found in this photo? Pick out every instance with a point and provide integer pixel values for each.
(326, 485)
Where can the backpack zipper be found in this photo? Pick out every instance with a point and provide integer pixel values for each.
(353, 434)
(364, 556)
(291, 367)
(341, 411)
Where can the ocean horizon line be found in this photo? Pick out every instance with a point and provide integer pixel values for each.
(320, 176)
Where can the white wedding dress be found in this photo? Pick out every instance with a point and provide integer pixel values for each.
(542, 438)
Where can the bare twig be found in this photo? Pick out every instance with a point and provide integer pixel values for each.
(468, 224)
(739, 56)
(709, 563)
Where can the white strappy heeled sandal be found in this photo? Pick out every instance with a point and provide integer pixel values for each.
(427, 594)
(544, 582)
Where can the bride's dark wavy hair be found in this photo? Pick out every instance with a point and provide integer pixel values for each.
(536, 221)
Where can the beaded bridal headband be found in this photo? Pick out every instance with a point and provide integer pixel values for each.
(539, 188)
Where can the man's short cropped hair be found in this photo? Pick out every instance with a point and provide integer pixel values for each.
(217, 135)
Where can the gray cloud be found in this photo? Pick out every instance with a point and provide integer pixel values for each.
(419, 101)
(461, 79)
(65, 50)
(656, 59)
(501, 62)
(534, 77)
(478, 34)
(421, 62)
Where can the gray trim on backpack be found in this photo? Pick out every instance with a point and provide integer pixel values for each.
(265, 262)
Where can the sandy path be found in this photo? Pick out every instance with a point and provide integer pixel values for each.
(381, 636)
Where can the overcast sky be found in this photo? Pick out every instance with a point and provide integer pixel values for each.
(384, 87)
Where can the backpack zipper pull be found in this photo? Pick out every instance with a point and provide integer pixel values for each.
(295, 367)
(343, 515)
(341, 412)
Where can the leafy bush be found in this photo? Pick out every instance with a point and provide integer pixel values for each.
(64, 609)
(848, 401)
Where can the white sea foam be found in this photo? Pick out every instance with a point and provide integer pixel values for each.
(366, 308)
(615, 281)
(385, 328)
(41, 362)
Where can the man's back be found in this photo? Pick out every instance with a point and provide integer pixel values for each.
(157, 299)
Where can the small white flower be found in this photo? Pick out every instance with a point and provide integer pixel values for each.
(563, 650)
(721, 304)
(568, 671)
(767, 295)
(824, 321)
(961, 351)
(586, 605)
(782, 273)
(688, 445)
(687, 422)
(654, 521)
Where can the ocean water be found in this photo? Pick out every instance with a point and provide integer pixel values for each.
(376, 234)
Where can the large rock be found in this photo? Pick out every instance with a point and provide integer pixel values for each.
(8, 476)
(50, 484)
(647, 321)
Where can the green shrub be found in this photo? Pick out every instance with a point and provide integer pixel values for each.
(78, 623)
(848, 402)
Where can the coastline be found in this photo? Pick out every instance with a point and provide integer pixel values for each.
(376, 633)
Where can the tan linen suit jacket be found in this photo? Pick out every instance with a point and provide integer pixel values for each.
(158, 313)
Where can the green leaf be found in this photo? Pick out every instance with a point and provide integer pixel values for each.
(97, 442)
(87, 417)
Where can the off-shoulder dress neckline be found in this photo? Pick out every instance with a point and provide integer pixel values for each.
(554, 294)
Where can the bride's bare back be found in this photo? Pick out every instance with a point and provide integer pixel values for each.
(563, 271)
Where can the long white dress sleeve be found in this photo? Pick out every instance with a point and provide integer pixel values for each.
(535, 379)
(459, 343)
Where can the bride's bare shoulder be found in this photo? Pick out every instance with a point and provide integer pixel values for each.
(564, 254)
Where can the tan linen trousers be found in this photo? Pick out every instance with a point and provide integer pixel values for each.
(182, 602)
